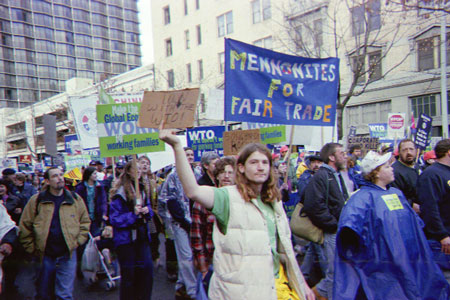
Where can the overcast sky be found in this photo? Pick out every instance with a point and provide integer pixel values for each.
(145, 20)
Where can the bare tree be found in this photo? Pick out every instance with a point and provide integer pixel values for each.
(360, 33)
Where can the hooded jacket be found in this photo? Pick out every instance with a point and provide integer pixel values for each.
(382, 250)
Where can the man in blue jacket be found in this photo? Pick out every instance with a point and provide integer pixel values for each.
(433, 189)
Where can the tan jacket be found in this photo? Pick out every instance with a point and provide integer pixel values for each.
(37, 217)
(243, 266)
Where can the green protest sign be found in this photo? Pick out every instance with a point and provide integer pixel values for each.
(273, 135)
(118, 133)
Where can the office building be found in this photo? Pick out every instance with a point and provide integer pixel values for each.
(43, 43)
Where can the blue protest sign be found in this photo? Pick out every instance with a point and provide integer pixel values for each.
(72, 144)
(270, 87)
(423, 131)
(380, 131)
(205, 139)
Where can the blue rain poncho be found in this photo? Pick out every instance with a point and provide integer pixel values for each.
(382, 252)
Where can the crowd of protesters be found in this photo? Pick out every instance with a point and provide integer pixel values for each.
(385, 217)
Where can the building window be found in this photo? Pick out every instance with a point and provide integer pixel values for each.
(369, 11)
(375, 66)
(169, 47)
(318, 33)
(368, 113)
(426, 54)
(186, 39)
(358, 68)
(199, 35)
(265, 43)
(225, 24)
(369, 66)
(170, 79)
(185, 8)
(424, 104)
(222, 62)
(166, 12)
(189, 72)
(259, 6)
(197, 4)
(200, 69)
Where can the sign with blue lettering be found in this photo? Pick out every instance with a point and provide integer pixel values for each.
(205, 139)
(423, 131)
(380, 131)
(270, 87)
(119, 134)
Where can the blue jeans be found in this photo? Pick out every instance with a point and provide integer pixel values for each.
(136, 270)
(441, 259)
(325, 286)
(186, 274)
(56, 276)
(314, 254)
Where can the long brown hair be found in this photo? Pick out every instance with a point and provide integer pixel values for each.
(269, 191)
(127, 181)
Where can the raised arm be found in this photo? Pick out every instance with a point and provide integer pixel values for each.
(202, 194)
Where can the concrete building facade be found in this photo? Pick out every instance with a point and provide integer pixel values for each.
(44, 43)
(22, 131)
(389, 52)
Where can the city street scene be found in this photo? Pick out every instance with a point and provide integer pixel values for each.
(224, 149)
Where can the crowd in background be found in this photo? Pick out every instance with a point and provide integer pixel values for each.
(385, 213)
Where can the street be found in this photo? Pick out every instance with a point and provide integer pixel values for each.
(163, 289)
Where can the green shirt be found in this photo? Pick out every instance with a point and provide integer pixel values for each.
(221, 210)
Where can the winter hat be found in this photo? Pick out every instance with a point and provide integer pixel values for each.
(372, 160)
(8, 171)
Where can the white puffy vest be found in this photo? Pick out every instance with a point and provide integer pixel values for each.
(243, 266)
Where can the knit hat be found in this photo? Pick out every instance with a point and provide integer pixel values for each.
(8, 171)
(372, 160)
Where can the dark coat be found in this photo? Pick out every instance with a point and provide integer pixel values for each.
(405, 180)
(324, 216)
(433, 191)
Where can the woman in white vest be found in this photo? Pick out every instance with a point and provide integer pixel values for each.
(253, 257)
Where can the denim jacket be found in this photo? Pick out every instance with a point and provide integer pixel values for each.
(172, 190)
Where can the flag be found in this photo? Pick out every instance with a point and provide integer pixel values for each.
(74, 174)
(413, 122)
(104, 98)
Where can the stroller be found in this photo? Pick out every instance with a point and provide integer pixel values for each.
(96, 264)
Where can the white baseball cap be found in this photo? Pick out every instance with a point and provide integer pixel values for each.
(372, 160)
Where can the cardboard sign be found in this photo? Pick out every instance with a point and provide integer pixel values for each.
(233, 141)
(366, 143)
(176, 108)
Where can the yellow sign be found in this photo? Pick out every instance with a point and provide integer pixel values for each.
(392, 202)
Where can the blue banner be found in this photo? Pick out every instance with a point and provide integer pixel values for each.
(205, 139)
(72, 145)
(270, 87)
(423, 131)
(380, 131)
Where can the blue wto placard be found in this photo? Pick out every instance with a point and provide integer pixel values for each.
(205, 139)
(264, 86)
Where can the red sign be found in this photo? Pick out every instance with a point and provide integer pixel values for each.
(25, 159)
(396, 121)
